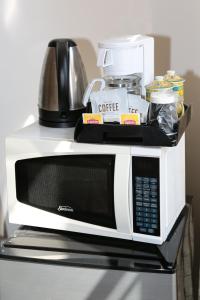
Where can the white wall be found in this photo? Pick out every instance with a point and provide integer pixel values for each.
(25, 30)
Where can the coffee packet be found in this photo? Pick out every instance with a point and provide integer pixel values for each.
(111, 103)
(138, 105)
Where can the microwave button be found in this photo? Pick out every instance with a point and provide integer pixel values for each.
(138, 192)
(146, 204)
(153, 193)
(139, 203)
(138, 186)
(154, 215)
(153, 184)
(147, 225)
(153, 187)
(139, 214)
(142, 229)
(139, 219)
(147, 209)
(153, 180)
(153, 196)
(154, 210)
(146, 214)
(138, 180)
(146, 187)
(153, 199)
(150, 230)
(139, 224)
(154, 205)
(146, 198)
(146, 220)
(146, 193)
(139, 198)
(145, 179)
(139, 208)
(154, 226)
(154, 221)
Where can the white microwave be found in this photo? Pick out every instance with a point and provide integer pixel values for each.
(127, 192)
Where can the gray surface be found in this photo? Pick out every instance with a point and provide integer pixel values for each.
(31, 281)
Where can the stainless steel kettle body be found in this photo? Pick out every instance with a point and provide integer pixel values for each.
(62, 85)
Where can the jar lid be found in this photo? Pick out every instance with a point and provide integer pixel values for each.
(171, 72)
(173, 77)
(159, 85)
(164, 98)
(128, 81)
(159, 78)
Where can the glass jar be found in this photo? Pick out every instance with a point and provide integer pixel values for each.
(158, 85)
(163, 112)
(178, 87)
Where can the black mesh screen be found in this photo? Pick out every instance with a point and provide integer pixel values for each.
(76, 186)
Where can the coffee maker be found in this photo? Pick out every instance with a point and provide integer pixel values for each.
(126, 63)
(125, 56)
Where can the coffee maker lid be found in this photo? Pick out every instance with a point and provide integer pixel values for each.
(123, 42)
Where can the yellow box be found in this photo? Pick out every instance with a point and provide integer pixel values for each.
(130, 119)
(92, 118)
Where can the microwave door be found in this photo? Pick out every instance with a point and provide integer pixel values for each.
(79, 187)
(146, 195)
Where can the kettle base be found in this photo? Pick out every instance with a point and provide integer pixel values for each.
(57, 119)
(57, 124)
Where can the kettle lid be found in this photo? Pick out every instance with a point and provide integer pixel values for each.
(54, 42)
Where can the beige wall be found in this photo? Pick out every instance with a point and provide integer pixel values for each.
(177, 27)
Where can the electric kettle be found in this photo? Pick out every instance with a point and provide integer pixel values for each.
(62, 85)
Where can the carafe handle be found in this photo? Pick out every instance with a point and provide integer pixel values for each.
(89, 88)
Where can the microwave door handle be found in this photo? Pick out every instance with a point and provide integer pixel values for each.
(121, 193)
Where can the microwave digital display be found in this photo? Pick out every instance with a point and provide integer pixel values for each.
(146, 196)
(80, 187)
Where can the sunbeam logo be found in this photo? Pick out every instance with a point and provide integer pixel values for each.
(65, 208)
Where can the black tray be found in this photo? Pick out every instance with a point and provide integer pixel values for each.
(145, 135)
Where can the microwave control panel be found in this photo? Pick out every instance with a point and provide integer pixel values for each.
(146, 196)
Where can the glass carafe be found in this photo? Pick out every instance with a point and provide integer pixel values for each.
(116, 95)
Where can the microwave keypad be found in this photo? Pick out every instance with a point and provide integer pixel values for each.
(146, 205)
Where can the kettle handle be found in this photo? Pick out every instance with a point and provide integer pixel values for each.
(89, 88)
(62, 60)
